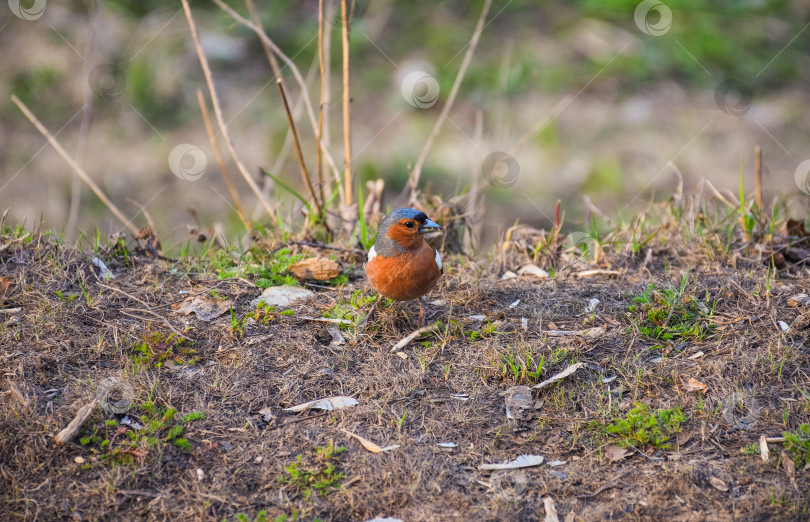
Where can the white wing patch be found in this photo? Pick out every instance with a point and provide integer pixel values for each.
(372, 253)
(438, 260)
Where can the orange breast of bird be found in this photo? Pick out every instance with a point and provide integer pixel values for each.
(405, 277)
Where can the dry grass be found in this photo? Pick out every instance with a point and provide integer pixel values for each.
(448, 388)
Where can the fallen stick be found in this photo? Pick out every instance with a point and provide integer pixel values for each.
(325, 320)
(406, 341)
(67, 434)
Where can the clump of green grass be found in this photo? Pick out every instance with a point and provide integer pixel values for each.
(155, 348)
(156, 428)
(351, 309)
(751, 449)
(670, 314)
(261, 516)
(643, 427)
(519, 364)
(317, 474)
(264, 268)
(797, 444)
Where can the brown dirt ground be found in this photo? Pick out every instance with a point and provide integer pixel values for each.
(54, 353)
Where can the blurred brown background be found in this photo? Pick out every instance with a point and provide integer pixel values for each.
(589, 97)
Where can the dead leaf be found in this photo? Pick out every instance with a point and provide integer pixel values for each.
(694, 385)
(206, 308)
(551, 510)
(533, 270)
(562, 375)
(320, 268)
(523, 461)
(763, 448)
(151, 241)
(337, 337)
(374, 448)
(5, 284)
(282, 296)
(799, 300)
(267, 414)
(718, 484)
(518, 401)
(615, 453)
(788, 465)
(328, 404)
(365, 442)
(683, 437)
(104, 272)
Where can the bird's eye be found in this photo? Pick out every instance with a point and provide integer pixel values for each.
(409, 224)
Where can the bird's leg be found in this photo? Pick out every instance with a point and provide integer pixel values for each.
(422, 302)
(362, 326)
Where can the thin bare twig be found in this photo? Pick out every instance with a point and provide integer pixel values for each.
(347, 136)
(322, 69)
(758, 176)
(296, 73)
(209, 129)
(223, 128)
(75, 166)
(413, 335)
(416, 172)
(301, 162)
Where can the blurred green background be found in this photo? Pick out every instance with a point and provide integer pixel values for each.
(592, 98)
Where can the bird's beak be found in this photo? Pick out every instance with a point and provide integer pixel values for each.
(429, 226)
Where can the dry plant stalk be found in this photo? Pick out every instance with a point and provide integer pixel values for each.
(209, 80)
(758, 176)
(347, 137)
(296, 74)
(301, 163)
(75, 166)
(322, 69)
(416, 172)
(209, 129)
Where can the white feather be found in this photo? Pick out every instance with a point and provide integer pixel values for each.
(438, 259)
(372, 253)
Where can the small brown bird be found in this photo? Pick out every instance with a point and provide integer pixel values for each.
(401, 264)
